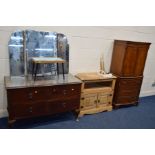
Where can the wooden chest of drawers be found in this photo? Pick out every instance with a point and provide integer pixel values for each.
(128, 62)
(30, 98)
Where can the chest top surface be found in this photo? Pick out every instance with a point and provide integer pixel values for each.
(25, 82)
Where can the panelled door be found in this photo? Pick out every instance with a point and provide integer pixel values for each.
(104, 99)
(88, 101)
(130, 61)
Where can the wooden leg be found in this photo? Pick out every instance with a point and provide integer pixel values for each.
(10, 123)
(36, 70)
(33, 65)
(58, 69)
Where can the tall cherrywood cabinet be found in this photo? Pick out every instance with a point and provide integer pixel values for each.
(128, 61)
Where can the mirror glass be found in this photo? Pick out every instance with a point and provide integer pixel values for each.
(16, 54)
(24, 45)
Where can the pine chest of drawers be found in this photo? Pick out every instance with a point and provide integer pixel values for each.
(28, 98)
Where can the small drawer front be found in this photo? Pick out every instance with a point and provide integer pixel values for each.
(27, 110)
(26, 95)
(64, 91)
(63, 106)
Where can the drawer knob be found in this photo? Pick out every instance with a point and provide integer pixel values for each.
(54, 90)
(73, 89)
(30, 96)
(35, 91)
(30, 109)
(64, 92)
(64, 105)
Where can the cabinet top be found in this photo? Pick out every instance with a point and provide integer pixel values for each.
(131, 42)
(25, 82)
(93, 76)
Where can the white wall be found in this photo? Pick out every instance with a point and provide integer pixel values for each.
(87, 44)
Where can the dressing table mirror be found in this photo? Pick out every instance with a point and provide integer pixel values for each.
(27, 44)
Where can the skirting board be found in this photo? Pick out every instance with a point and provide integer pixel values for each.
(147, 93)
(3, 113)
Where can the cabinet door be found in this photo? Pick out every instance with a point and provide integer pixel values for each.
(141, 58)
(104, 99)
(88, 101)
(129, 61)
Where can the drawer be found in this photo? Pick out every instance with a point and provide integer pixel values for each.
(130, 83)
(26, 95)
(38, 94)
(128, 91)
(63, 106)
(27, 110)
(127, 99)
(63, 92)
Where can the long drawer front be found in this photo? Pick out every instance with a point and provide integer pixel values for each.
(38, 94)
(42, 108)
(38, 101)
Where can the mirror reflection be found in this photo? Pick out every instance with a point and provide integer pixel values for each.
(24, 45)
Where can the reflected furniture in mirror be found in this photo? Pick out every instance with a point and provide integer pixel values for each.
(26, 44)
(36, 61)
(55, 93)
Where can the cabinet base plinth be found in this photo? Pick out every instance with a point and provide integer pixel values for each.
(94, 111)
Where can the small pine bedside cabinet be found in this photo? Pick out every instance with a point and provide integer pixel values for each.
(97, 92)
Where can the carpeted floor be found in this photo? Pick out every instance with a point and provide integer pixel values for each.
(133, 117)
